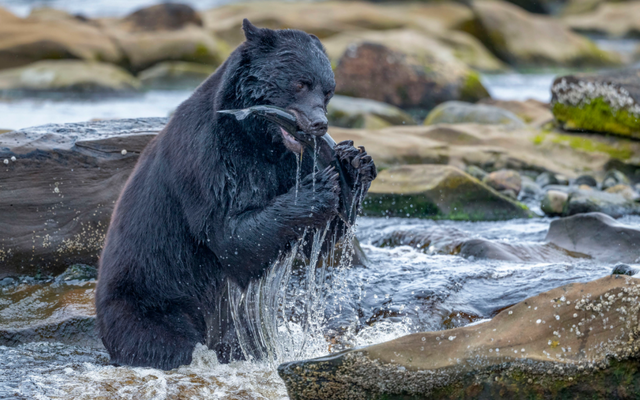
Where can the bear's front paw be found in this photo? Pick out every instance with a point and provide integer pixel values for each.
(320, 194)
(357, 162)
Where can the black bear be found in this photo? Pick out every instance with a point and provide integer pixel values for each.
(212, 198)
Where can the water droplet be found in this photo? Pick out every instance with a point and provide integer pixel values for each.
(538, 321)
(123, 152)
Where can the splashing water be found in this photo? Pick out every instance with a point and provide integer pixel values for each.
(298, 171)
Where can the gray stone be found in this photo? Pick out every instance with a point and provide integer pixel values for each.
(59, 193)
(597, 235)
(553, 202)
(505, 180)
(175, 75)
(78, 272)
(624, 269)
(459, 112)
(614, 177)
(586, 201)
(352, 112)
(546, 179)
(586, 180)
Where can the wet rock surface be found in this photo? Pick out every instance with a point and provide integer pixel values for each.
(597, 235)
(59, 185)
(551, 345)
(609, 19)
(606, 102)
(436, 191)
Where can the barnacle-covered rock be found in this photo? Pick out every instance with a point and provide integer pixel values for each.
(576, 341)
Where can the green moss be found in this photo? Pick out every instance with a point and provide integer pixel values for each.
(598, 116)
(621, 151)
(472, 89)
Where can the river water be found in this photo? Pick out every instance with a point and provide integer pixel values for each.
(402, 289)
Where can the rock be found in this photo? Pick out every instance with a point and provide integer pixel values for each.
(453, 47)
(613, 178)
(504, 180)
(587, 180)
(587, 201)
(530, 111)
(609, 19)
(175, 74)
(625, 191)
(437, 191)
(8, 281)
(546, 179)
(455, 112)
(529, 190)
(476, 172)
(166, 16)
(597, 235)
(350, 112)
(553, 202)
(61, 189)
(542, 347)
(49, 312)
(52, 14)
(24, 41)
(376, 72)
(507, 30)
(452, 241)
(168, 41)
(624, 269)
(608, 102)
(67, 76)
(78, 272)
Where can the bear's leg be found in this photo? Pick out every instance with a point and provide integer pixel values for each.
(157, 338)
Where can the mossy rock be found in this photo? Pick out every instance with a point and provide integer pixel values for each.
(438, 192)
(607, 103)
(550, 346)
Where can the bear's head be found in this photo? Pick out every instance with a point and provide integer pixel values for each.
(289, 69)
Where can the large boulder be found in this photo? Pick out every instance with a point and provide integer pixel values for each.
(456, 112)
(451, 46)
(145, 40)
(59, 186)
(607, 102)
(379, 73)
(576, 341)
(508, 31)
(67, 76)
(597, 235)
(610, 19)
(437, 191)
(351, 112)
(26, 40)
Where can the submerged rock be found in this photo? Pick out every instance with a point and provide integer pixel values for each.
(60, 183)
(67, 76)
(597, 235)
(456, 112)
(376, 72)
(624, 269)
(351, 112)
(438, 191)
(607, 103)
(451, 241)
(509, 31)
(553, 345)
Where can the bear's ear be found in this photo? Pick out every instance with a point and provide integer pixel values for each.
(317, 42)
(251, 32)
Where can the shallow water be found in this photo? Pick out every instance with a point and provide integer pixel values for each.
(402, 290)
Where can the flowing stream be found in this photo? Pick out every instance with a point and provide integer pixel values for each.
(295, 312)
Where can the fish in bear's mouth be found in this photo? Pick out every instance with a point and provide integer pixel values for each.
(293, 138)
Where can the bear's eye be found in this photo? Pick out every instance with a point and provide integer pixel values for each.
(300, 86)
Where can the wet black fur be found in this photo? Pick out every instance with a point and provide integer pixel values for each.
(212, 198)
